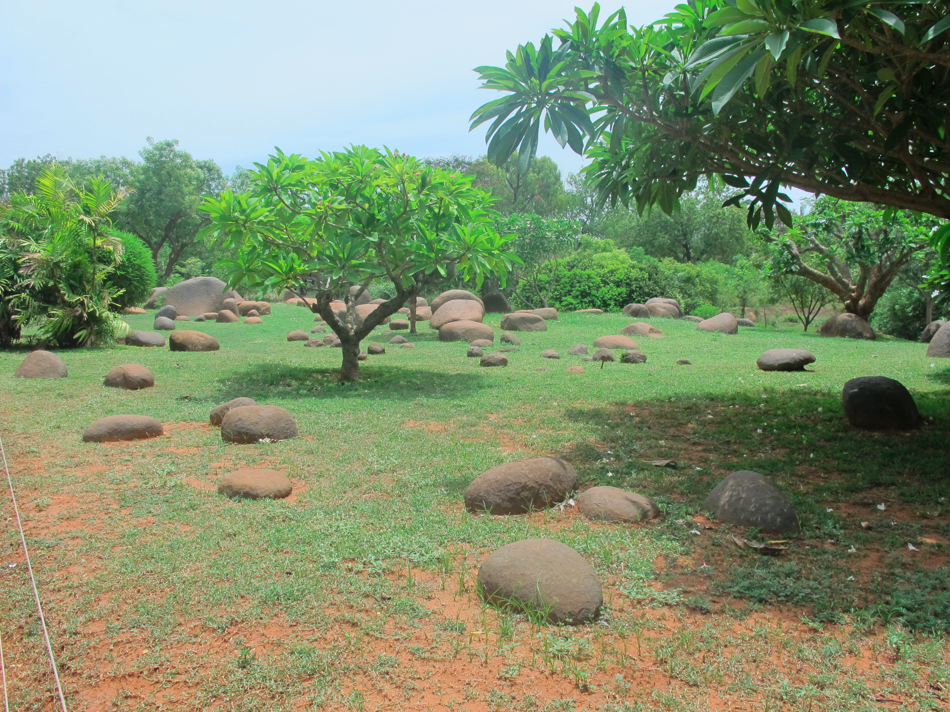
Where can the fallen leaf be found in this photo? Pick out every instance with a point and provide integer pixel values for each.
(662, 463)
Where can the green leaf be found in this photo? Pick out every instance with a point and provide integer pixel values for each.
(784, 214)
(889, 17)
(936, 29)
(733, 81)
(776, 43)
(746, 27)
(763, 75)
(710, 77)
(821, 26)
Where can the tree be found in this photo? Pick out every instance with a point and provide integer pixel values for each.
(319, 227)
(854, 250)
(163, 212)
(744, 282)
(539, 243)
(806, 297)
(836, 97)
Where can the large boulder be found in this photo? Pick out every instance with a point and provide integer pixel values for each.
(255, 484)
(192, 341)
(745, 322)
(130, 376)
(168, 311)
(494, 359)
(144, 338)
(663, 311)
(879, 403)
(544, 578)
(749, 499)
(457, 310)
(507, 338)
(615, 342)
(785, 360)
(200, 294)
(116, 428)
(41, 364)
(466, 330)
(849, 326)
(638, 311)
(940, 343)
(254, 423)
(361, 311)
(398, 325)
(926, 336)
(496, 303)
(219, 411)
(724, 323)
(298, 335)
(474, 352)
(521, 486)
(639, 328)
(364, 298)
(226, 316)
(666, 301)
(157, 295)
(163, 323)
(519, 321)
(546, 313)
(450, 295)
(611, 504)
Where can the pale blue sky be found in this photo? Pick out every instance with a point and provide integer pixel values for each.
(231, 80)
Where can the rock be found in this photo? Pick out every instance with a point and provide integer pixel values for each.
(639, 328)
(611, 504)
(219, 411)
(940, 343)
(509, 338)
(253, 423)
(336, 344)
(403, 310)
(638, 311)
(879, 403)
(481, 343)
(330, 338)
(457, 310)
(507, 350)
(546, 313)
(550, 353)
(694, 319)
(520, 321)
(210, 316)
(163, 323)
(672, 304)
(577, 370)
(745, 322)
(577, 350)
(466, 331)
(298, 335)
(724, 323)
(361, 311)
(230, 305)
(130, 376)
(168, 312)
(253, 312)
(201, 294)
(192, 341)
(398, 325)
(633, 356)
(182, 318)
(849, 326)
(451, 295)
(931, 330)
(364, 298)
(226, 316)
(313, 343)
(399, 340)
(604, 355)
(785, 360)
(587, 358)
(263, 308)
(684, 362)
(749, 499)
(133, 310)
(362, 356)
(377, 302)
(253, 320)
(615, 342)
(116, 428)
(496, 303)
(493, 359)
(589, 311)
(318, 329)
(420, 302)
(255, 484)
(144, 338)
(542, 576)
(245, 308)
(41, 364)
(423, 313)
(408, 346)
(663, 311)
(157, 295)
(474, 352)
(521, 486)
(376, 349)
(200, 318)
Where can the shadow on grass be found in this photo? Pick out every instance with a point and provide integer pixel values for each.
(390, 382)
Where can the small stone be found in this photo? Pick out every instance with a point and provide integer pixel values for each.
(684, 362)
(255, 484)
(362, 356)
(785, 360)
(577, 350)
(313, 343)
(550, 353)
(749, 499)
(408, 346)
(481, 343)
(633, 356)
(163, 323)
(589, 311)
(330, 338)
(298, 335)
(611, 504)
(226, 316)
(508, 338)
(253, 312)
(604, 355)
(474, 352)
(398, 325)
(493, 359)
(336, 344)
(253, 320)
(181, 318)
(399, 340)
(130, 376)
(200, 318)
(376, 349)
(507, 350)
(318, 329)
(218, 412)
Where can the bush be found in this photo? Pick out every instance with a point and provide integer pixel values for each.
(902, 312)
(705, 311)
(134, 274)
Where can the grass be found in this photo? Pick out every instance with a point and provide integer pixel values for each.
(359, 592)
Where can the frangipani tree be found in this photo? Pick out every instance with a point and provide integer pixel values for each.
(321, 226)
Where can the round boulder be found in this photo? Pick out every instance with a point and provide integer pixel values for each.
(546, 313)
(633, 356)
(615, 342)
(724, 323)
(375, 349)
(474, 352)
(116, 428)
(849, 326)
(200, 317)
(931, 330)
(201, 294)
(163, 323)
(457, 310)
(639, 328)
(638, 311)
(255, 484)
(219, 411)
(521, 486)
(167, 311)
(550, 353)
(298, 335)
(611, 504)
(466, 331)
(666, 301)
(226, 316)
(130, 376)
(491, 360)
(749, 499)
(192, 341)
(144, 338)
(451, 295)
(542, 577)
(785, 360)
(398, 325)
(940, 343)
(253, 320)
(520, 321)
(879, 403)
(364, 297)
(577, 350)
(398, 339)
(41, 364)
(496, 303)
(508, 338)
(481, 343)
(254, 423)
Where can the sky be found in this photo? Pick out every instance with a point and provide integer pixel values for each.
(231, 80)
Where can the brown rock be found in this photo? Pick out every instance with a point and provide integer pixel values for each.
(633, 356)
(522, 486)
(550, 353)
(482, 343)
(210, 316)
(130, 376)
(474, 352)
(493, 359)
(398, 325)
(665, 301)
(453, 294)
(507, 338)
(192, 341)
(201, 294)
(144, 338)
(604, 355)
(376, 349)
(116, 428)
(611, 504)
(589, 311)
(133, 310)
(521, 321)
(638, 311)
(849, 326)
(41, 364)
(313, 343)
(253, 320)
(226, 316)
(546, 313)
(576, 370)
(255, 484)
(615, 342)
(253, 423)
(298, 335)
(466, 331)
(398, 339)
(218, 412)
(457, 310)
(724, 323)
(639, 328)
(659, 310)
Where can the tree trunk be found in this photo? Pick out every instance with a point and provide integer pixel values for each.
(929, 300)
(350, 371)
(413, 295)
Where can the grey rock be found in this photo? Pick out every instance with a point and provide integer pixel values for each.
(509, 338)
(749, 499)
(399, 340)
(611, 504)
(202, 294)
(550, 353)
(931, 330)
(474, 352)
(577, 350)
(879, 403)
(254, 423)
(117, 428)
(940, 343)
(745, 322)
(255, 484)
(615, 341)
(724, 323)
(41, 364)
(633, 356)
(520, 321)
(314, 344)
(604, 355)
(168, 311)
(219, 411)
(493, 359)
(785, 360)
(638, 311)
(375, 349)
(521, 486)
(849, 326)
(163, 323)
(144, 338)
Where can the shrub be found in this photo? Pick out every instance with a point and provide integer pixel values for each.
(705, 311)
(134, 274)
(902, 312)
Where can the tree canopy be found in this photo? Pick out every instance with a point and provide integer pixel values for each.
(321, 227)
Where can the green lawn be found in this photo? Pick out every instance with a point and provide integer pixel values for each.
(357, 593)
